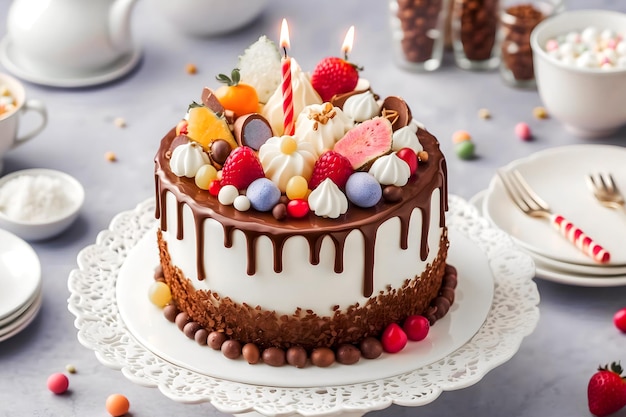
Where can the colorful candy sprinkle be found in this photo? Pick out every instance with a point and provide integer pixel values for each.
(522, 130)
(540, 112)
(465, 149)
(461, 136)
(58, 383)
(117, 405)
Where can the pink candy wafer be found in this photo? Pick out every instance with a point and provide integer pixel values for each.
(582, 241)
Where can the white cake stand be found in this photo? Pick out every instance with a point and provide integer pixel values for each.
(462, 348)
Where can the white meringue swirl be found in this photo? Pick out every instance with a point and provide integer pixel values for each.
(322, 125)
(391, 170)
(406, 137)
(280, 166)
(327, 200)
(361, 107)
(187, 159)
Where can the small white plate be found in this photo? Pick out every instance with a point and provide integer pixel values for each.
(116, 70)
(21, 322)
(558, 176)
(20, 273)
(578, 275)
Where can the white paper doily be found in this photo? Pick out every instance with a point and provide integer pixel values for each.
(513, 315)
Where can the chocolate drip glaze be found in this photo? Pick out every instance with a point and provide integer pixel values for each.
(416, 194)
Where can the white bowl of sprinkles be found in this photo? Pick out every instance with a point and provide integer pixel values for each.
(579, 58)
(38, 204)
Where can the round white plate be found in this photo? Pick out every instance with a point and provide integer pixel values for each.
(577, 274)
(581, 280)
(593, 270)
(21, 322)
(513, 315)
(116, 70)
(147, 324)
(17, 313)
(20, 273)
(558, 176)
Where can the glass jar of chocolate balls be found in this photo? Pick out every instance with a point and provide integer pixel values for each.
(517, 20)
(474, 31)
(418, 31)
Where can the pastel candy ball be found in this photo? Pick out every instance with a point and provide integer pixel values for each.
(58, 383)
(242, 203)
(522, 130)
(117, 405)
(159, 294)
(461, 136)
(227, 195)
(465, 149)
(363, 190)
(263, 194)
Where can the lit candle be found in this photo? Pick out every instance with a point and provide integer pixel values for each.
(347, 42)
(288, 121)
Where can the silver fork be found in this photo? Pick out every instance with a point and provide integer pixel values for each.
(605, 190)
(532, 205)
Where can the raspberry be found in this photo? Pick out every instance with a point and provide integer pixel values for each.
(241, 168)
(331, 165)
(332, 76)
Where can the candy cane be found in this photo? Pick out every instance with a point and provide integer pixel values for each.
(580, 239)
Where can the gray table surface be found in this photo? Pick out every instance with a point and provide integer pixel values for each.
(548, 375)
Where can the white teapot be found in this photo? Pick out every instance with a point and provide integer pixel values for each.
(66, 38)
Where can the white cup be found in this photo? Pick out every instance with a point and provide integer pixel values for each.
(10, 134)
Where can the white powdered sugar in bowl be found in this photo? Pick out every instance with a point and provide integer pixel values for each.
(37, 204)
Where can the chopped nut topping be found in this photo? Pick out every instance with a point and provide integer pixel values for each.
(327, 113)
(391, 115)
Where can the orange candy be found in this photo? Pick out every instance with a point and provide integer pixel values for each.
(117, 405)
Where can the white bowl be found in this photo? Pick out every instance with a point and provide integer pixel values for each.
(54, 223)
(590, 102)
(209, 17)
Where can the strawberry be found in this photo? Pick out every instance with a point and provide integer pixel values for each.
(606, 392)
(331, 165)
(241, 168)
(332, 76)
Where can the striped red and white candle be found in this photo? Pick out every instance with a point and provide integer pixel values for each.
(288, 120)
(582, 241)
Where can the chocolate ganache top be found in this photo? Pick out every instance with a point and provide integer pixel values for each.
(416, 194)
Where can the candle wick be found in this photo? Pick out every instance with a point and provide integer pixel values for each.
(345, 55)
(285, 51)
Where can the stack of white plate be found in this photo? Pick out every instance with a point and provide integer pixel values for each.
(558, 176)
(20, 285)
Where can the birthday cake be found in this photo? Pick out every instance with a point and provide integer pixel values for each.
(313, 238)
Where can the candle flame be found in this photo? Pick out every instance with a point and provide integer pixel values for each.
(348, 41)
(284, 35)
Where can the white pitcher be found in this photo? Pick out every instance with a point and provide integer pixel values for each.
(66, 38)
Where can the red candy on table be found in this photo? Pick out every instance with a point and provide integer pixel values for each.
(58, 383)
(619, 319)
